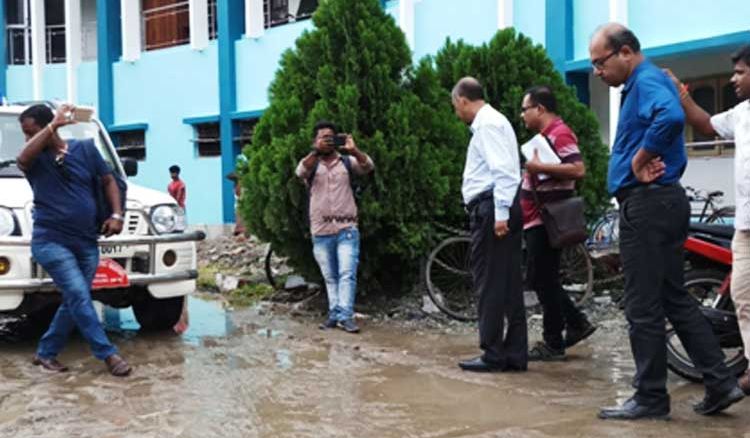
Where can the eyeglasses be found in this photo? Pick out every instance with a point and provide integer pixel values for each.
(599, 63)
(526, 108)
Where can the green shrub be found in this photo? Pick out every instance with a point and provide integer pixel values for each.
(355, 69)
(509, 64)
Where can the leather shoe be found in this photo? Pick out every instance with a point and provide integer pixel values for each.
(715, 403)
(480, 366)
(117, 366)
(631, 410)
(50, 364)
(744, 382)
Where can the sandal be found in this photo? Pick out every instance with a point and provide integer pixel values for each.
(117, 366)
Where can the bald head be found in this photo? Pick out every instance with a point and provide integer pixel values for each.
(615, 36)
(469, 88)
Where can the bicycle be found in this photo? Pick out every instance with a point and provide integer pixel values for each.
(709, 212)
(450, 286)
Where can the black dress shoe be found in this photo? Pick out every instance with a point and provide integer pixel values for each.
(576, 335)
(715, 403)
(480, 366)
(631, 410)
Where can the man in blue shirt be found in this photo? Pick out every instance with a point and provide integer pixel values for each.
(65, 176)
(647, 161)
(490, 187)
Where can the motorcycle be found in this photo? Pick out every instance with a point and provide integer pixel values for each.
(708, 258)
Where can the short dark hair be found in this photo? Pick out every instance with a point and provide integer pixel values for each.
(742, 54)
(621, 37)
(324, 124)
(469, 88)
(41, 115)
(542, 95)
(174, 169)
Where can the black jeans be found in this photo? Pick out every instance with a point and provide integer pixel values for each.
(496, 270)
(543, 273)
(653, 229)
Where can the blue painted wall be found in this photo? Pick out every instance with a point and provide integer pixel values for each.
(87, 84)
(474, 21)
(529, 18)
(19, 82)
(54, 86)
(659, 22)
(258, 60)
(162, 88)
(587, 16)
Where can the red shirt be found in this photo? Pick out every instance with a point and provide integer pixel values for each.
(566, 145)
(177, 189)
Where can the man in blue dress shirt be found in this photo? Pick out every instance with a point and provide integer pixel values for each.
(491, 180)
(645, 166)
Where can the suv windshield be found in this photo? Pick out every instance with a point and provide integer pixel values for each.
(12, 141)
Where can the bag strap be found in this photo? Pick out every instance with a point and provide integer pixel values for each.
(344, 160)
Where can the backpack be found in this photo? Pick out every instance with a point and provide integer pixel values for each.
(103, 209)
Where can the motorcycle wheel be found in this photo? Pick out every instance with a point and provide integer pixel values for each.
(703, 284)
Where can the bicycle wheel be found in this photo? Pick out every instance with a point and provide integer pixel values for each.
(723, 216)
(449, 281)
(276, 276)
(704, 285)
(576, 273)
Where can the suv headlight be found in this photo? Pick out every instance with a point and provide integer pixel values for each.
(168, 219)
(7, 222)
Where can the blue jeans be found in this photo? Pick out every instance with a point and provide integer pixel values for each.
(338, 258)
(72, 268)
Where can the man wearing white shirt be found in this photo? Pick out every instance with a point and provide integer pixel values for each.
(491, 179)
(733, 124)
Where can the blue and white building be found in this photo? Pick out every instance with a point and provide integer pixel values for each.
(183, 81)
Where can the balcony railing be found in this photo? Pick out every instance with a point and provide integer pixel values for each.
(166, 26)
(19, 44)
(277, 12)
(54, 36)
(711, 148)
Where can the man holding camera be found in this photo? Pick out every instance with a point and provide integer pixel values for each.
(327, 172)
(64, 175)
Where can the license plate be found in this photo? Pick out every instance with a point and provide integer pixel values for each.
(116, 251)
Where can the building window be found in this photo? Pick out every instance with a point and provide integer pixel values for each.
(714, 94)
(18, 31)
(207, 139)
(166, 23)
(213, 25)
(244, 129)
(54, 32)
(130, 144)
(278, 12)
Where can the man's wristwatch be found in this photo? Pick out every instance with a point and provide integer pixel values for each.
(117, 217)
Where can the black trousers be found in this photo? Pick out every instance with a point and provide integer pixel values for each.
(653, 229)
(496, 270)
(543, 273)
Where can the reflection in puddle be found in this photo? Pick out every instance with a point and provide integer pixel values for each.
(207, 319)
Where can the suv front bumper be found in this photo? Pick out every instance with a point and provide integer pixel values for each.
(162, 280)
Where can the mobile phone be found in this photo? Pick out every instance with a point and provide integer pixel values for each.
(339, 140)
(83, 113)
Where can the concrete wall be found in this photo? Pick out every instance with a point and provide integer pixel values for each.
(161, 89)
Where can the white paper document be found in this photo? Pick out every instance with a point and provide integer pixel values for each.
(546, 154)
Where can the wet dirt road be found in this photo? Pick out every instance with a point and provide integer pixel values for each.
(253, 374)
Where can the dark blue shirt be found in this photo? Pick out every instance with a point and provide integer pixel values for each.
(651, 118)
(64, 196)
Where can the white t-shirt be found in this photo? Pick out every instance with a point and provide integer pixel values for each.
(735, 124)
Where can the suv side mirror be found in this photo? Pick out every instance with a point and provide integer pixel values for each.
(130, 166)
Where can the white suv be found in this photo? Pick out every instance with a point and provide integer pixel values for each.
(151, 265)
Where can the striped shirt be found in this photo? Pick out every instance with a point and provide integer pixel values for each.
(566, 146)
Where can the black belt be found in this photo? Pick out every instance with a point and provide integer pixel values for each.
(485, 195)
(624, 193)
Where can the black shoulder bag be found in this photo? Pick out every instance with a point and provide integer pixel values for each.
(563, 219)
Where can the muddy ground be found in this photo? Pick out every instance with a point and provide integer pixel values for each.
(262, 372)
